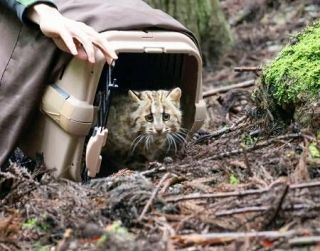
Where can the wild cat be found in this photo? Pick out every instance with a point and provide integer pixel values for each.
(144, 126)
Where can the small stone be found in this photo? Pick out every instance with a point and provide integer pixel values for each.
(167, 160)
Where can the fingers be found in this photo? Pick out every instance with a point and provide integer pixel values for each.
(71, 36)
(101, 43)
(79, 40)
(91, 40)
(107, 51)
(68, 40)
(86, 44)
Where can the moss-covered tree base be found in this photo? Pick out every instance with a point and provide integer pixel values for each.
(290, 85)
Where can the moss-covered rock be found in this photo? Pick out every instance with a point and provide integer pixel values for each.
(290, 85)
(294, 76)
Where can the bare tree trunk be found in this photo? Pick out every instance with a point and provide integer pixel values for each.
(205, 19)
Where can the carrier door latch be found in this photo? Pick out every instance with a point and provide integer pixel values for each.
(94, 147)
(100, 133)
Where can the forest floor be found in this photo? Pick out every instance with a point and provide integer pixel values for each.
(237, 185)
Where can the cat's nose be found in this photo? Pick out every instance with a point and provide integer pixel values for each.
(159, 129)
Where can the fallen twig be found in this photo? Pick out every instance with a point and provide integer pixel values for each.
(278, 202)
(153, 170)
(308, 240)
(301, 206)
(305, 185)
(242, 210)
(10, 242)
(153, 195)
(251, 148)
(247, 68)
(222, 131)
(198, 196)
(254, 209)
(170, 182)
(228, 88)
(222, 238)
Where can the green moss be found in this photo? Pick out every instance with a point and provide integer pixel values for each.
(294, 76)
(233, 180)
(36, 224)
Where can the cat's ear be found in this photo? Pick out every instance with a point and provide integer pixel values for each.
(134, 96)
(175, 94)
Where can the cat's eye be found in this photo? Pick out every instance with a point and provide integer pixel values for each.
(149, 117)
(165, 116)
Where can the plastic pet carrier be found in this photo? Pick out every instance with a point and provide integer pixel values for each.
(147, 60)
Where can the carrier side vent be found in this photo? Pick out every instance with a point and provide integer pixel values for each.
(154, 50)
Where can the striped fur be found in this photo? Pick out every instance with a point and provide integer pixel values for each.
(144, 125)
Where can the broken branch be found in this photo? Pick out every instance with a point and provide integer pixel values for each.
(222, 238)
(228, 88)
(247, 69)
(153, 195)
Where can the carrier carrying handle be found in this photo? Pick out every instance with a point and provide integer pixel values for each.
(100, 133)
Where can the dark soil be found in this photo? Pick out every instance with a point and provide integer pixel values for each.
(244, 182)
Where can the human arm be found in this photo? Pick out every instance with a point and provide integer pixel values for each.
(70, 36)
(21, 6)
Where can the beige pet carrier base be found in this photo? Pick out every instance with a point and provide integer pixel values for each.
(147, 60)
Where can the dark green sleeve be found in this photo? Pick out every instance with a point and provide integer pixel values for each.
(20, 6)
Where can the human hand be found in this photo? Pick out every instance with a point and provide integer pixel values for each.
(70, 36)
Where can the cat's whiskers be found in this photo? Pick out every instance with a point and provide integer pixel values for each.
(168, 140)
(147, 140)
(179, 137)
(136, 142)
(169, 143)
(144, 124)
(146, 143)
(183, 131)
(174, 142)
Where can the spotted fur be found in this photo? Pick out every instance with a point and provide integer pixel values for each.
(144, 125)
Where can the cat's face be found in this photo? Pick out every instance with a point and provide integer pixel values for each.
(157, 114)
